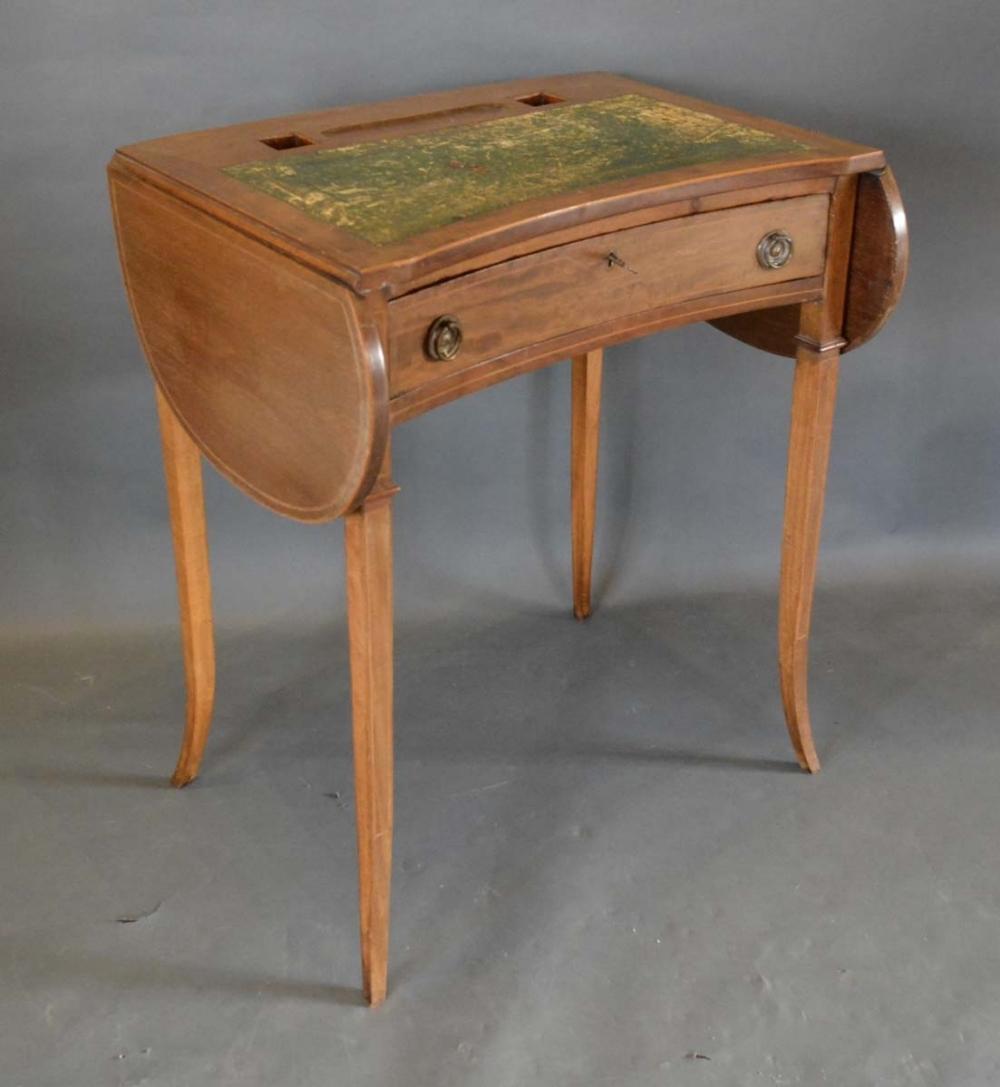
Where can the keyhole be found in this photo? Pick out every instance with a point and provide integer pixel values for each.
(615, 261)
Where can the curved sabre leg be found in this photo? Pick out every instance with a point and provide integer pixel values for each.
(814, 393)
(182, 465)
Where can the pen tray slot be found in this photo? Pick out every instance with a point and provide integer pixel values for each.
(418, 118)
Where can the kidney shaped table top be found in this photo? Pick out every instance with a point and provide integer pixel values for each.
(301, 285)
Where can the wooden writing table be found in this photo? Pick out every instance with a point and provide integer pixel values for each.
(303, 285)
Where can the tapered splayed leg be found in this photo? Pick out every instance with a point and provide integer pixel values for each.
(182, 465)
(585, 444)
(368, 538)
(814, 395)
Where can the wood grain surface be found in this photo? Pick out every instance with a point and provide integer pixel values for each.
(599, 279)
(275, 371)
(368, 555)
(287, 335)
(587, 376)
(814, 393)
(471, 379)
(880, 255)
(182, 467)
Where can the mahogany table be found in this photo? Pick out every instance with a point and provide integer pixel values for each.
(303, 285)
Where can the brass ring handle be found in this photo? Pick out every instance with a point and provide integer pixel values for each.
(775, 250)
(444, 338)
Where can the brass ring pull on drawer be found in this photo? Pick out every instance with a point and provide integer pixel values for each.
(444, 338)
(774, 250)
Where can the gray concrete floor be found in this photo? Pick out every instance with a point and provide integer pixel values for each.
(607, 869)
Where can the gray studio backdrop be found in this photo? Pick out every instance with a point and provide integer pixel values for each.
(695, 424)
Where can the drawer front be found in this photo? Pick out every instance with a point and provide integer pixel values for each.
(535, 298)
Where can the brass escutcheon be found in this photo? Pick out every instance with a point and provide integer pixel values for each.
(614, 261)
(774, 250)
(444, 338)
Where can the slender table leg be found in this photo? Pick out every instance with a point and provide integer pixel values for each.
(368, 539)
(814, 393)
(182, 465)
(585, 443)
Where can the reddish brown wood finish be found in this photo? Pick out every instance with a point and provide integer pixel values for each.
(467, 380)
(586, 406)
(657, 213)
(368, 552)
(814, 393)
(603, 279)
(182, 466)
(276, 372)
(880, 257)
(274, 339)
(191, 164)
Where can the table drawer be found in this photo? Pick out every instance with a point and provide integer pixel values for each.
(576, 286)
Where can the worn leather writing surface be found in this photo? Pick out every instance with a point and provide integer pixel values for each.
(392, 189)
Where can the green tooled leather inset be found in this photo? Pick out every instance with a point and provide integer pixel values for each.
(389, 190)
